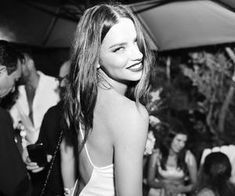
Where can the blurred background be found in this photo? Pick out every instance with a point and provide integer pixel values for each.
(194, 77)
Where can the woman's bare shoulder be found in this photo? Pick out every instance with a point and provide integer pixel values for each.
(131, 121)
(190, 158)
(133, 114)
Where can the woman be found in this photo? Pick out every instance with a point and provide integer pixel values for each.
(49, 136)
(108, 81)
(214, 176)
(172, 168)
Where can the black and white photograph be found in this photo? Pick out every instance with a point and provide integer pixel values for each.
(117, 98)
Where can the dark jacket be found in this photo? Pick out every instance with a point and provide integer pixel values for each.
(14, 180)
(49, 135)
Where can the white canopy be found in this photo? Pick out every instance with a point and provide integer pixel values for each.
(183, 24)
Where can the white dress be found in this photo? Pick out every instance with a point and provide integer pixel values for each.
(172, 174)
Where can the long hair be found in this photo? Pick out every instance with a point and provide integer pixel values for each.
(215, 175)
(81, 93)
(172, 129)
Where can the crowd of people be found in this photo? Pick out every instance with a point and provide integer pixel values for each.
(84, 133)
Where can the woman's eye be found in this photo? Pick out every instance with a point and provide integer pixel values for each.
(119, 49)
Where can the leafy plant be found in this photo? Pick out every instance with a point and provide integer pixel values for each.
(212, 74)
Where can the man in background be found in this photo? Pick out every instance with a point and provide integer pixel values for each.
(14, 179)
(37, 93)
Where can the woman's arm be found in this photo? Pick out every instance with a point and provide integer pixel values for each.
(129, 137)
(192, 168)
(152, 168)
(68, 166)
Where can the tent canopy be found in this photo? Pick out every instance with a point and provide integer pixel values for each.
(44, 23)
(183, 24)
(170, 24)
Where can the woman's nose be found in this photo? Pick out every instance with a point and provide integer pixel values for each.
(182, 144)
(136, 54)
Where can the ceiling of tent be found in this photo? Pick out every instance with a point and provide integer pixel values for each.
(187, 24)
(45, 23)
(51, 23)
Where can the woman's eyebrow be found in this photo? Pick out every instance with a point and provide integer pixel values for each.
(118, 44)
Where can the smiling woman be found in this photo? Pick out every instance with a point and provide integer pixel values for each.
(172, 167)
(108, 84)
(120, 56)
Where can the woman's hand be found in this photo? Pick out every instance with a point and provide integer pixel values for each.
(33, 166)
(169, 188)
(177, 189)
(172, 189)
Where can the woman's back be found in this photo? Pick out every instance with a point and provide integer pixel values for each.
(109, 77)
(113, 113)
(96, 180)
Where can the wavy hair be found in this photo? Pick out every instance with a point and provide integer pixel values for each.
(170, 131)
(81, 93)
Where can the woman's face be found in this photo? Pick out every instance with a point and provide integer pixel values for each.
(120, 57)
(178, 143)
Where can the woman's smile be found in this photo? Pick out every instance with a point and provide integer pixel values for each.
(136, 67)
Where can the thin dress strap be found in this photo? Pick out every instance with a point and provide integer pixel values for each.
(88, 155)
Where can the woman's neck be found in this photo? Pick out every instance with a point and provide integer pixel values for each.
(107, 82)
(172, 153)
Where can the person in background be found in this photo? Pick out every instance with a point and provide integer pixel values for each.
(172, 169)
(37, 93)
(14, 179)
(69, 142)
(52, 127)
(108, 81)
(214, 176)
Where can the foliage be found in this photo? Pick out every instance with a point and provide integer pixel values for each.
(196, 87)
(212, 74)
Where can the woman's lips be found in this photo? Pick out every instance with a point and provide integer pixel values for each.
(136, 67)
